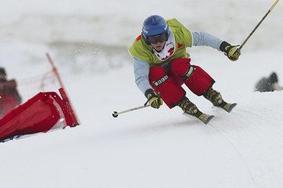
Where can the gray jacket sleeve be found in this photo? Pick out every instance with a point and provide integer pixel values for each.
(141, 70)
(205, 39)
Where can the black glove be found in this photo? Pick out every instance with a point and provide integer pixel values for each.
(153, 99)
(231, 51)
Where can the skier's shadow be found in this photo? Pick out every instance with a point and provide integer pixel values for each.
(163, 126)
(141, 130)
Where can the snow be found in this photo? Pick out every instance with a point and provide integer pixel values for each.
(147, 148)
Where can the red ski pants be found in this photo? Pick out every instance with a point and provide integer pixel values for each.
(167, 81)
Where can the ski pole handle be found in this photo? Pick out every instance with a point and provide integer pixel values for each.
(115, 113)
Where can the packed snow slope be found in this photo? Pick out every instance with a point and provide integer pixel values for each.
(155, 148)
(147, 148)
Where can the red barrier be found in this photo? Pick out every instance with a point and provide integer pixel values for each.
(39, 114)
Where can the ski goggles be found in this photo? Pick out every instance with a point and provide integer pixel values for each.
(157, 38)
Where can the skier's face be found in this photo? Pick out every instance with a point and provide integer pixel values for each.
(158, 41)
(158, 46)
(3, 76)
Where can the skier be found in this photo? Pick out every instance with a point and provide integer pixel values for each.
(270, 83)
(9, 95)
(162, 65)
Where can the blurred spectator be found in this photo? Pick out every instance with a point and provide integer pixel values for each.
(9, 96)
(270, 83)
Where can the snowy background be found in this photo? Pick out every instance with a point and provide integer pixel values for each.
(88, 41)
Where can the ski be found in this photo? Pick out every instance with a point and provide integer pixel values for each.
(204, 118)
(228, 107)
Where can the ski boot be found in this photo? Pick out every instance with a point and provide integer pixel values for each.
(216, 99)
(191, 109)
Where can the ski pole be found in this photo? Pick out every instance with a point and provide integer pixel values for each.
(115, 113)
(273, 5)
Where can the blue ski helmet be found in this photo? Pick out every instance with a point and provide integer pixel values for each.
(154, 25)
